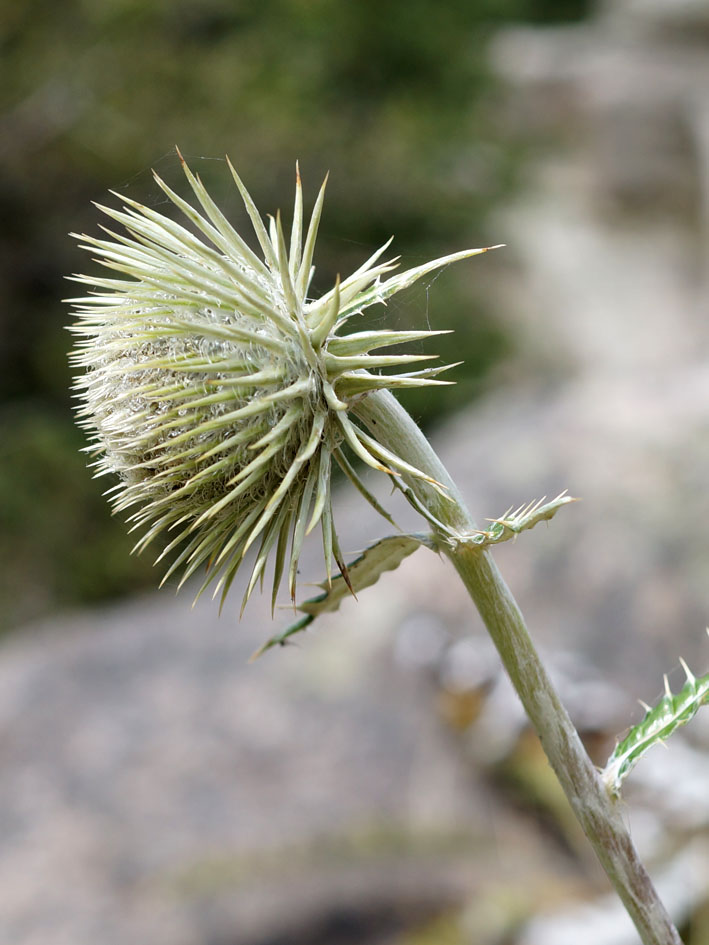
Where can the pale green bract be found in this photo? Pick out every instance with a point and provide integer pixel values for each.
(219, 391)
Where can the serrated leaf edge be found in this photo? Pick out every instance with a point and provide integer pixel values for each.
(363, 572)
(671, 712)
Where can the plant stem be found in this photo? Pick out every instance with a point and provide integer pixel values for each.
(595, 809)
(597, 813)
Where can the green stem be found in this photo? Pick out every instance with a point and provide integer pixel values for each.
(595, 809)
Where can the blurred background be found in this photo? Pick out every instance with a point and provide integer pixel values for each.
(377, 784)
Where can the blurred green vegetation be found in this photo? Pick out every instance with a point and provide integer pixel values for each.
(393, 96)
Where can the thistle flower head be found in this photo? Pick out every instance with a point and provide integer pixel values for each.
(219, 391)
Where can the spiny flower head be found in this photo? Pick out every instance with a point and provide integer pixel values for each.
(220, 392)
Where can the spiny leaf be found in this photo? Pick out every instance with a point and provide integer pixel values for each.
(384, 555)
(512, 523)
(671, 712)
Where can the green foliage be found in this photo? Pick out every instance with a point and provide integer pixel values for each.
(384, 555)
(388, 553)
(671, 712)
(512, 523)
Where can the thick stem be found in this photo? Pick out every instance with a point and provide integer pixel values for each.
(595, 810)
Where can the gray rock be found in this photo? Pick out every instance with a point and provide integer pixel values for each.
(159, 787)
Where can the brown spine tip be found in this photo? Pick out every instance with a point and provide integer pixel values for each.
(345, 573)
